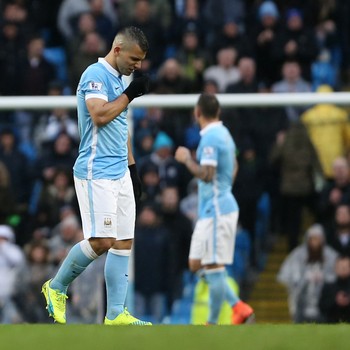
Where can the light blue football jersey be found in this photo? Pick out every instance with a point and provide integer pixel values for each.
(218, 149)
(103, 152)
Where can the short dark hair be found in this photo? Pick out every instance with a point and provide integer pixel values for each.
(137, 36)
(209, 105)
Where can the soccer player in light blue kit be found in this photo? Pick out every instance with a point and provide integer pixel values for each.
(213, 239)
(105, 177)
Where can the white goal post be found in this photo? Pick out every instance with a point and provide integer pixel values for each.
(181, 101)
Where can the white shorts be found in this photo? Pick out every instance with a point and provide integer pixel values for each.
(213, 239)
(107, 207)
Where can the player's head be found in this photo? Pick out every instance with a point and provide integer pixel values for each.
(207, 108)
(129, 48)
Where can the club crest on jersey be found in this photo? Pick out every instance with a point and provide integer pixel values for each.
(107, 222)
(95, 86)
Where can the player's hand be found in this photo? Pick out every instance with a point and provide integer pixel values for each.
(138, 87)
(182, 154)
(136, 182)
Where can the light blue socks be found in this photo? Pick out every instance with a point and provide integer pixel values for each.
(77, 260)
(116, 276)
(230, 295)
(219, 291)
(216, 279)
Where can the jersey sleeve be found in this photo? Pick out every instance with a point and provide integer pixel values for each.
(209, 152)
(94, 84)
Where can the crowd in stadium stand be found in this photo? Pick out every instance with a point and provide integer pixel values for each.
(298, 159)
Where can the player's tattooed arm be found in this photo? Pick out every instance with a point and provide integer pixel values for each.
(203, 172)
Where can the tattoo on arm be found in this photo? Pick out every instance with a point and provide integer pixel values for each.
(203, 172)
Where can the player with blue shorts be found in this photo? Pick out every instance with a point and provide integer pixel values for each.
(213, 239)
(105, 177)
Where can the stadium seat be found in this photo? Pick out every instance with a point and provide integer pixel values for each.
(57, 56)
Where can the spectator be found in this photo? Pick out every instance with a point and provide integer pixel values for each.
(162, 159)
(304, 272)
(335, 297)
(335, 192)
(60, 154)
(51, 125)
(36, 71)
(171, 79)
(263, 36)
(57, 195)
(313, 11)
(17, 12)
(296, 42)
(145, 130)
(298, 162)
(47, 25)
(342, 14)
(149, 174)
(86, 24)
(329, 129)
(339, 237)
(217, 13)
(8, 202)
(143, 143)
(151, 270)
(210, 86)
(247, 189)
(323, 72)
(230, 35)
(326, 68)
(160, 9)
(69, 234)
(265, 133)
(143, 18)
(192, 58)
(17, 165)
(12, 51)
(33, 274)
(242, 121)
(180, 230)
(247, 82)
(92, 47)
(11, 261)
(224, 72)
(104, 24)
(188, 19)
(70, 10)
(292, 81)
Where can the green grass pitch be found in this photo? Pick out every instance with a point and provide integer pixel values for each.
(250, 337)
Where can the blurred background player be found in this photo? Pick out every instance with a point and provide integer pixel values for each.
(213, 239)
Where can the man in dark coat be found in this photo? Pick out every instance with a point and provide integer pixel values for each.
(335, 297)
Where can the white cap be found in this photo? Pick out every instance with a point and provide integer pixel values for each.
(7, 232)
(315, 230)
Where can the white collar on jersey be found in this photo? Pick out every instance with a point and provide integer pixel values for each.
(109, 67)
(210, 126)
